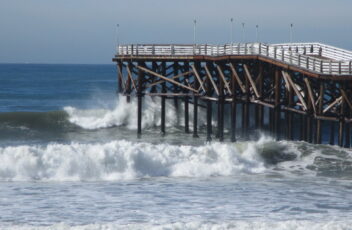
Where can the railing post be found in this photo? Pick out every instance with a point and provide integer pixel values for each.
(245, 48)
(330, 67)
(304, 50)
(313, 64)
(321, 66)
(153, 50)
(239, 48)
(172, 50)
(299, 60)
(275, 49)
(260, 48)
(267, 50)
(218, 50)
(137, 49)
(282, 54)
(340, 67)
(350, 68)
(290, 56)
(307, 63)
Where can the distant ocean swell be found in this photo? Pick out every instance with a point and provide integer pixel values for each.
(70, 119)
(240, 225)
(126, 160)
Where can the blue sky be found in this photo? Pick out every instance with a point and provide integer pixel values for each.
(84, 31)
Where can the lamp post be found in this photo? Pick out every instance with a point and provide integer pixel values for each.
(257, 32)
(194, 30)
(117, 36)
(243, 33)
(231, 31)
(291, 32)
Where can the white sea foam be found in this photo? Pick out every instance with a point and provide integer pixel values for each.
(126, 114)
(123, 160)
(240, 225)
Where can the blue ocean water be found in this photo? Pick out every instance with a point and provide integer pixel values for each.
(70, 159)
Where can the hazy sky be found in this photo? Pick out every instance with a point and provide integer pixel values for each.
(84, 31)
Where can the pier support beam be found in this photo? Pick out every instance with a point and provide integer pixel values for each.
(233, 109)
(176, 90)
(332, 133)
(320, 112)
(186, 100)
(221, 100)
(139, 98)
(163, 98)
(195, 104)
(128, 84)
(119, 77)
(341, 123)
(277, 117)
(245, 111)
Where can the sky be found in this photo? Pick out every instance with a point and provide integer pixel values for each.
(85, 31)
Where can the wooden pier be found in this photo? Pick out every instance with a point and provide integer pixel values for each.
(294, 91)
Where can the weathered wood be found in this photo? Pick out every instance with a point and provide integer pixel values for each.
(277, 104)
(237, 78)
(172, 78)
(249, 76)
(233, 109)
(221, 74)
(139, 98)
(294, 87)
(221, 111)
(211, 79)
(320, 112)
(195, 101)
(337, 101)
(163, 98)
(120, 77)
(186, 101)
(167, 79)
(129, 74)
(195, 71)
(332, 133)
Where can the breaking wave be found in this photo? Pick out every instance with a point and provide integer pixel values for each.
(126, 114)
(125, 160)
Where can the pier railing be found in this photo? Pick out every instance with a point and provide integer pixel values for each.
(314, 57)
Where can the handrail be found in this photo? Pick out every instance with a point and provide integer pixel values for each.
(315, 57)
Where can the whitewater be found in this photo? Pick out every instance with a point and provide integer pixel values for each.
(75, 162)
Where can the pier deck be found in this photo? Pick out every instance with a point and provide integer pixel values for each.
(305, 85)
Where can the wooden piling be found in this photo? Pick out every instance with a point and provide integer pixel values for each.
(320, 112)
(277, 117)
(139, 98)
(195, 104)
(163, 98)
(221, 101)
(186, 100)
(119, 77)
(233, 108)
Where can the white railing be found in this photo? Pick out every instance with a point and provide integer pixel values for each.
(315, 57)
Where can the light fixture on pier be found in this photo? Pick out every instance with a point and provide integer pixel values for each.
(243, 33)
(257, 33)
(117, 36)
(194, 30)
(291, 32)
(231, 30)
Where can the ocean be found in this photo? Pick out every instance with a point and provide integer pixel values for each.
(70, 159)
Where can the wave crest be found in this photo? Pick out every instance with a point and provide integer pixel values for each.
(124, 160)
